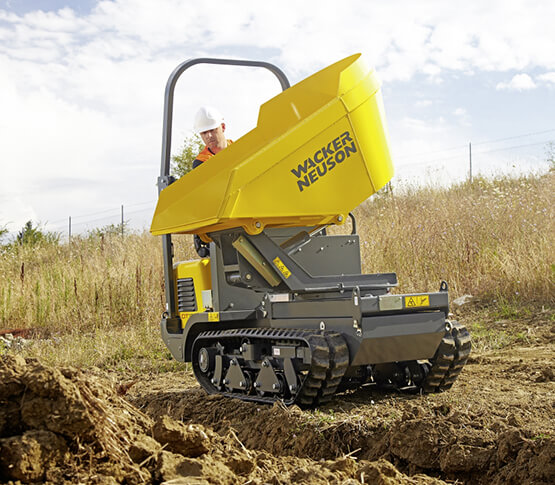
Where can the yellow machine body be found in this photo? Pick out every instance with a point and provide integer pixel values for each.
(199, 271)
(319, 149)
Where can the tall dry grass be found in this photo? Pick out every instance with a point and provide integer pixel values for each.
(490, 239)
(91, 283)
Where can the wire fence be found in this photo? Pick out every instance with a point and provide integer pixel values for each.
(118, 219)
(503, 156)
(488, 158)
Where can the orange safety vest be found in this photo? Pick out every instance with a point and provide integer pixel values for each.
(205, 155)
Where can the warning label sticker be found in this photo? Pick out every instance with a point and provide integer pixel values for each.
(184, 317)
(417, 301)
(213, 316)
(283, 269)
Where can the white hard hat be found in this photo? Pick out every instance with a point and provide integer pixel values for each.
(207, 118)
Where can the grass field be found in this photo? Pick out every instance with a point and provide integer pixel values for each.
(489, 239)
(99, 298)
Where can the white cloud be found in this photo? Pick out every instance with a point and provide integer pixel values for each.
(420, 155)
(462, 117)
(423, 103)
(416, 35)
(519, 82)
(548, 78)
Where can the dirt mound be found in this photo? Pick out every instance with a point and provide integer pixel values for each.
(415, 435)
(279, 430)
(67, 426)
(494, 426)
(55, 423)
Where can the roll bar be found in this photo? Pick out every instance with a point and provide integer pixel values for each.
(165, 179)
(168, 101)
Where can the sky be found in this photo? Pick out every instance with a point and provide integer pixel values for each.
(82, 86)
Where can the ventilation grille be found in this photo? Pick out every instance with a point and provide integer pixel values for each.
(186, 299)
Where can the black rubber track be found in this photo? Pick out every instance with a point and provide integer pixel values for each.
(329, 361)
(450, 358)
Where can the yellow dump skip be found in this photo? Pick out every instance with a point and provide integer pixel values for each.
(319, 149)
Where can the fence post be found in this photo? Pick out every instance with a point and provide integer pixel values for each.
(121, 220)
(470, 159)
(69, 232)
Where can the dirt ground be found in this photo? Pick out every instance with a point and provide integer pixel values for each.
(496, 425)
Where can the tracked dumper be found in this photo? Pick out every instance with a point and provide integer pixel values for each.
(280, 309)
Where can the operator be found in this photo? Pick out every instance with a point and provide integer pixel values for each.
(210, 125)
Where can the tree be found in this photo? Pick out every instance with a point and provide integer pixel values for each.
(33, 235)
(183, 163)
(109, 230)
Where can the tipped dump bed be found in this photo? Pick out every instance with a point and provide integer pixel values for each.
(319, 149)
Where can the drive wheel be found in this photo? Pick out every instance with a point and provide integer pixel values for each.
(206, 358)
